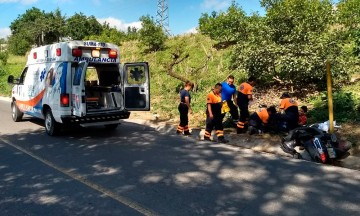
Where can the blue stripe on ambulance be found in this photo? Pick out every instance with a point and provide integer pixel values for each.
(63, 78)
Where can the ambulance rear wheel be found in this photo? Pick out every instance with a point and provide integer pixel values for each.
(111, 126)
(16, 113)
(52, 128)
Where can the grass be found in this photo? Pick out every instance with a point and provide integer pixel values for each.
(14, 66)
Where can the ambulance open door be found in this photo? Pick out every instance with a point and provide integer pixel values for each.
(78, 90)
(136, 86)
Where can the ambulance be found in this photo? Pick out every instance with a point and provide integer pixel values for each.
(79, 83)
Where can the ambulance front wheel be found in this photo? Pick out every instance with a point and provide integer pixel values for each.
(52, 128)
(16, 113)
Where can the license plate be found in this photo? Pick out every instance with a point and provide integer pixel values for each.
(331, 153)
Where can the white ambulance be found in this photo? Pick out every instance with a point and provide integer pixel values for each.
(79, 82)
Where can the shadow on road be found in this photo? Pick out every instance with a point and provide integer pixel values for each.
(175, 175)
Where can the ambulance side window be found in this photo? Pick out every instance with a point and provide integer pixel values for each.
(31, 76)
(136, 75)
(77, 75)
(23, 75)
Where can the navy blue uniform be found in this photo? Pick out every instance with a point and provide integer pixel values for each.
(184, 110)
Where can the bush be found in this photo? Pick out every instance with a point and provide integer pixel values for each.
(4, 56)
(346, 107)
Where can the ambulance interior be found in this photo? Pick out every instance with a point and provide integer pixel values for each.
(103, 88)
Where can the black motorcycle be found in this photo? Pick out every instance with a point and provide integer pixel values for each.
(321, 146)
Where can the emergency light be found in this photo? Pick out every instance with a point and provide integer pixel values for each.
(64, 100)
(112, 54)
(35, 55)
(58, 52)
(95, 53)
(77, 52)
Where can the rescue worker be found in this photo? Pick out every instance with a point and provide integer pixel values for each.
(244, 95)
(213, 114)
(228, 94)
(258, 122)
(291, 111)
(184, 108)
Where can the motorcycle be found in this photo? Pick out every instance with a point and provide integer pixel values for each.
(322, 147)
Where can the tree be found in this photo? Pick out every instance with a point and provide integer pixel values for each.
(292, 43)
(26, 30)
(132, 33)
(224, 27)
(80, 26)
(35, 27)
(151, 35)
(19, 44)
(109, 34)
(349, 14)
(55, 27)
(357, 44)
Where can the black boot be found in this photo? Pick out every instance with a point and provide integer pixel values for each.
(187, 133)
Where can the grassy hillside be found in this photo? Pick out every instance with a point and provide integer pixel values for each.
(164, 88)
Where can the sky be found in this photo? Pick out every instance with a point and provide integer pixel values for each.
(183, 14)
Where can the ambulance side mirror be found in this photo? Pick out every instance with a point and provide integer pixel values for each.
(11, 79)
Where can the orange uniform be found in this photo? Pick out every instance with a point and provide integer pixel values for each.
(245, 89)
(263, 115)
(215, 102)
(287, 102)
(291, 116)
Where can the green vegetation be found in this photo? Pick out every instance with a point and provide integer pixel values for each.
(286, 48)
(151, 35)
(346, 107)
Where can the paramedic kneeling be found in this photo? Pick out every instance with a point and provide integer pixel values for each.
(291, 111)
(258, 122)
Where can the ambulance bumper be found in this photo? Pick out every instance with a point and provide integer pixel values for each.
(95, 118)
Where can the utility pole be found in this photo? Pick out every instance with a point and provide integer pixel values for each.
(162, 16)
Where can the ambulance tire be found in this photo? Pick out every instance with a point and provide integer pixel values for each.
(111, 126)
(52, 128)
(16, 113)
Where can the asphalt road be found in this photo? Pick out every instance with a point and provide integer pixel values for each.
(136, 170)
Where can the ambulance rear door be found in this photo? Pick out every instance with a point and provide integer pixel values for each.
(78, 90)
(136, 86)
